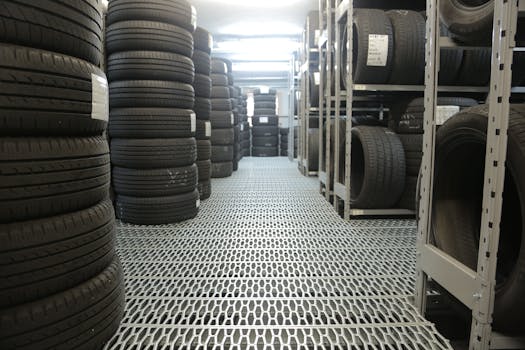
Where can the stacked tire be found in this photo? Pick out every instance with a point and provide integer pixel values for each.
(222, 121)
(152, 124)
(265, 129)
(202, 86)
(245, 127)
(238, 126)
(61, 282)
(283, 135)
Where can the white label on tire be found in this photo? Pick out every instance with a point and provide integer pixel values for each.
(317, 78)
(444, 113)
(193, 118)
(99, 98)
(232, 118)
(242, 127)
(194, 17)
(198, 203)
(207, 127)
(265, 90)
(377, 50)
(263, 120)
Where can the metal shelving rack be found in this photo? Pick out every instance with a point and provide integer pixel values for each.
(293, 81)
(475, 289)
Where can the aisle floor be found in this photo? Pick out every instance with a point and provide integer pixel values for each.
(268, 264)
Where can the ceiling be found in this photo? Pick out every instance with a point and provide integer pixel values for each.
(257, 36)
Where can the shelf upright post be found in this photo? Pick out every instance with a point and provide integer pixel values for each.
(291, 108)
(327, 96)
(322, 8)
(349, 101)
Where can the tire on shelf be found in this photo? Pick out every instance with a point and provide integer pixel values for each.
(268, 120)
(475, 69)
(151, 93)
(265, 130)
(222, 92)
(264, 111)
(378, 168)
(218, 67)
(202, 62)
(221, 120)
(457, 205)
(451, 59)
(204, 167)
(313, 147)
(264, 98)
(408, 198)
(222, 137)
(203, 130)
(265, 151)
(202, 86)
(204, 188)
(202, 108)
(265, 141)
(413, 147)
(203, 40)
(203, 150)
(42, 177)
(221, 153)
(467, 20)
(220, 80)
(266, 105)
(221, 169)
(221, 104)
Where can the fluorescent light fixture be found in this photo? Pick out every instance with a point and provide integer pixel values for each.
(261, 28)
(258, 4)
(255, 45)
(261, 67)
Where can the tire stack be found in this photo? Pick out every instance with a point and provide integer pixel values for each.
(245, 128)
(237, 154)
(152, 124)
(283, 134)
(60, 279)
(265, 130)
(202, 85)
(222, 121)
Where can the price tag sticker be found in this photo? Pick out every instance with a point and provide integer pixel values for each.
(100, 98)
(263, 120)
(232, 118)
(193, 118)
(377, 50)
(198, 203)
(444, 113)
(207, 129)
(242, 127)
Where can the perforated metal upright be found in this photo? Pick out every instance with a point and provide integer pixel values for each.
(475, 289)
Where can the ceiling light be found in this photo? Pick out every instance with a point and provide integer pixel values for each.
(261, 28)
(258, 4)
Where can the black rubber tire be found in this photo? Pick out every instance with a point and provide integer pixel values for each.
(42, 177)
(408, 65)
(148, 36)
(265, 141)
(203, 40)
(204, 167)
(177, 12)
(203, 130)
(145, 123)
(413, 147)
(222, 137)
(264, 98)
(202, 86)
(475, 69)
(220, 92)
(283, 152)
(221, 169)
(265, 120)
(157, 210)
(265, 151)
(378, 168)
(313, 149)
(284, 131)
(265, 131)
(451, 59)
(202, 62)
(221, 153)
(153, 153)
(74, 248)
(229, 64)
(245, 144)
(202, 108)
(151, 93)
(470, 23)
(218, 67)
(204, 188)
(222, 120)
(264, 111)
(220, 80)
(82, 317)
(203, 150)
(408, 198)
(150, 65)
(371, 22)
(72, 28)
(221, 104)
(265, 105)
(49, 94)
(154, 182)
(457, 205)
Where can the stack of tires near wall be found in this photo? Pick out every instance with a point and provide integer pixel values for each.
(245, 128)
(152, 124)
(235, 91)
(283, 144)
(222, 121)
(61, 283)
(202, 108)
(265, 129)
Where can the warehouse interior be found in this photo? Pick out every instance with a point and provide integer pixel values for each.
(278, 174)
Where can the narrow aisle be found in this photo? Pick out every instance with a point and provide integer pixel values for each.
(268, 264)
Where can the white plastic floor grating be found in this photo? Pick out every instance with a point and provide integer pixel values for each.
(268, 264)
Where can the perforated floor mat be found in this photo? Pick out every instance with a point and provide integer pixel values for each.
(268, 264)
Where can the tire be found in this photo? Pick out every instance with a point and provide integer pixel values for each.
(475, 69)
(203, 150)
(408, 198)
(271, 92)
(265, 141)
(227, 62)
(202, 108)
(265, 120)
(203, 40)
(72, 28)
(221, 120)
(42, 177)
(154, 182)
(284, 131)
(221, 153)
(265, 105)
(284, 152)
(221, 104)
(220, 92)
(82, 317)
(221, 169)
(218, 67)
(204, 188)
(75, 247)
(202, 86)
(408, 65)
(457, 205)
(413, 147)
(203, 130)
(145, 123)
(157, 210)
(148, 36)
(265, 152)
(220, 80)
(450, 59)
(150, 65)
(264, 98)
(371, 22)
(153, 153)
(313, 147)
(222, 137)
(204, 170)
(151, 93)
(49, 94)
(177, 12)
(258, 131)
(202, 62)
(264, 111)
(468, 21)
(378, 168)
